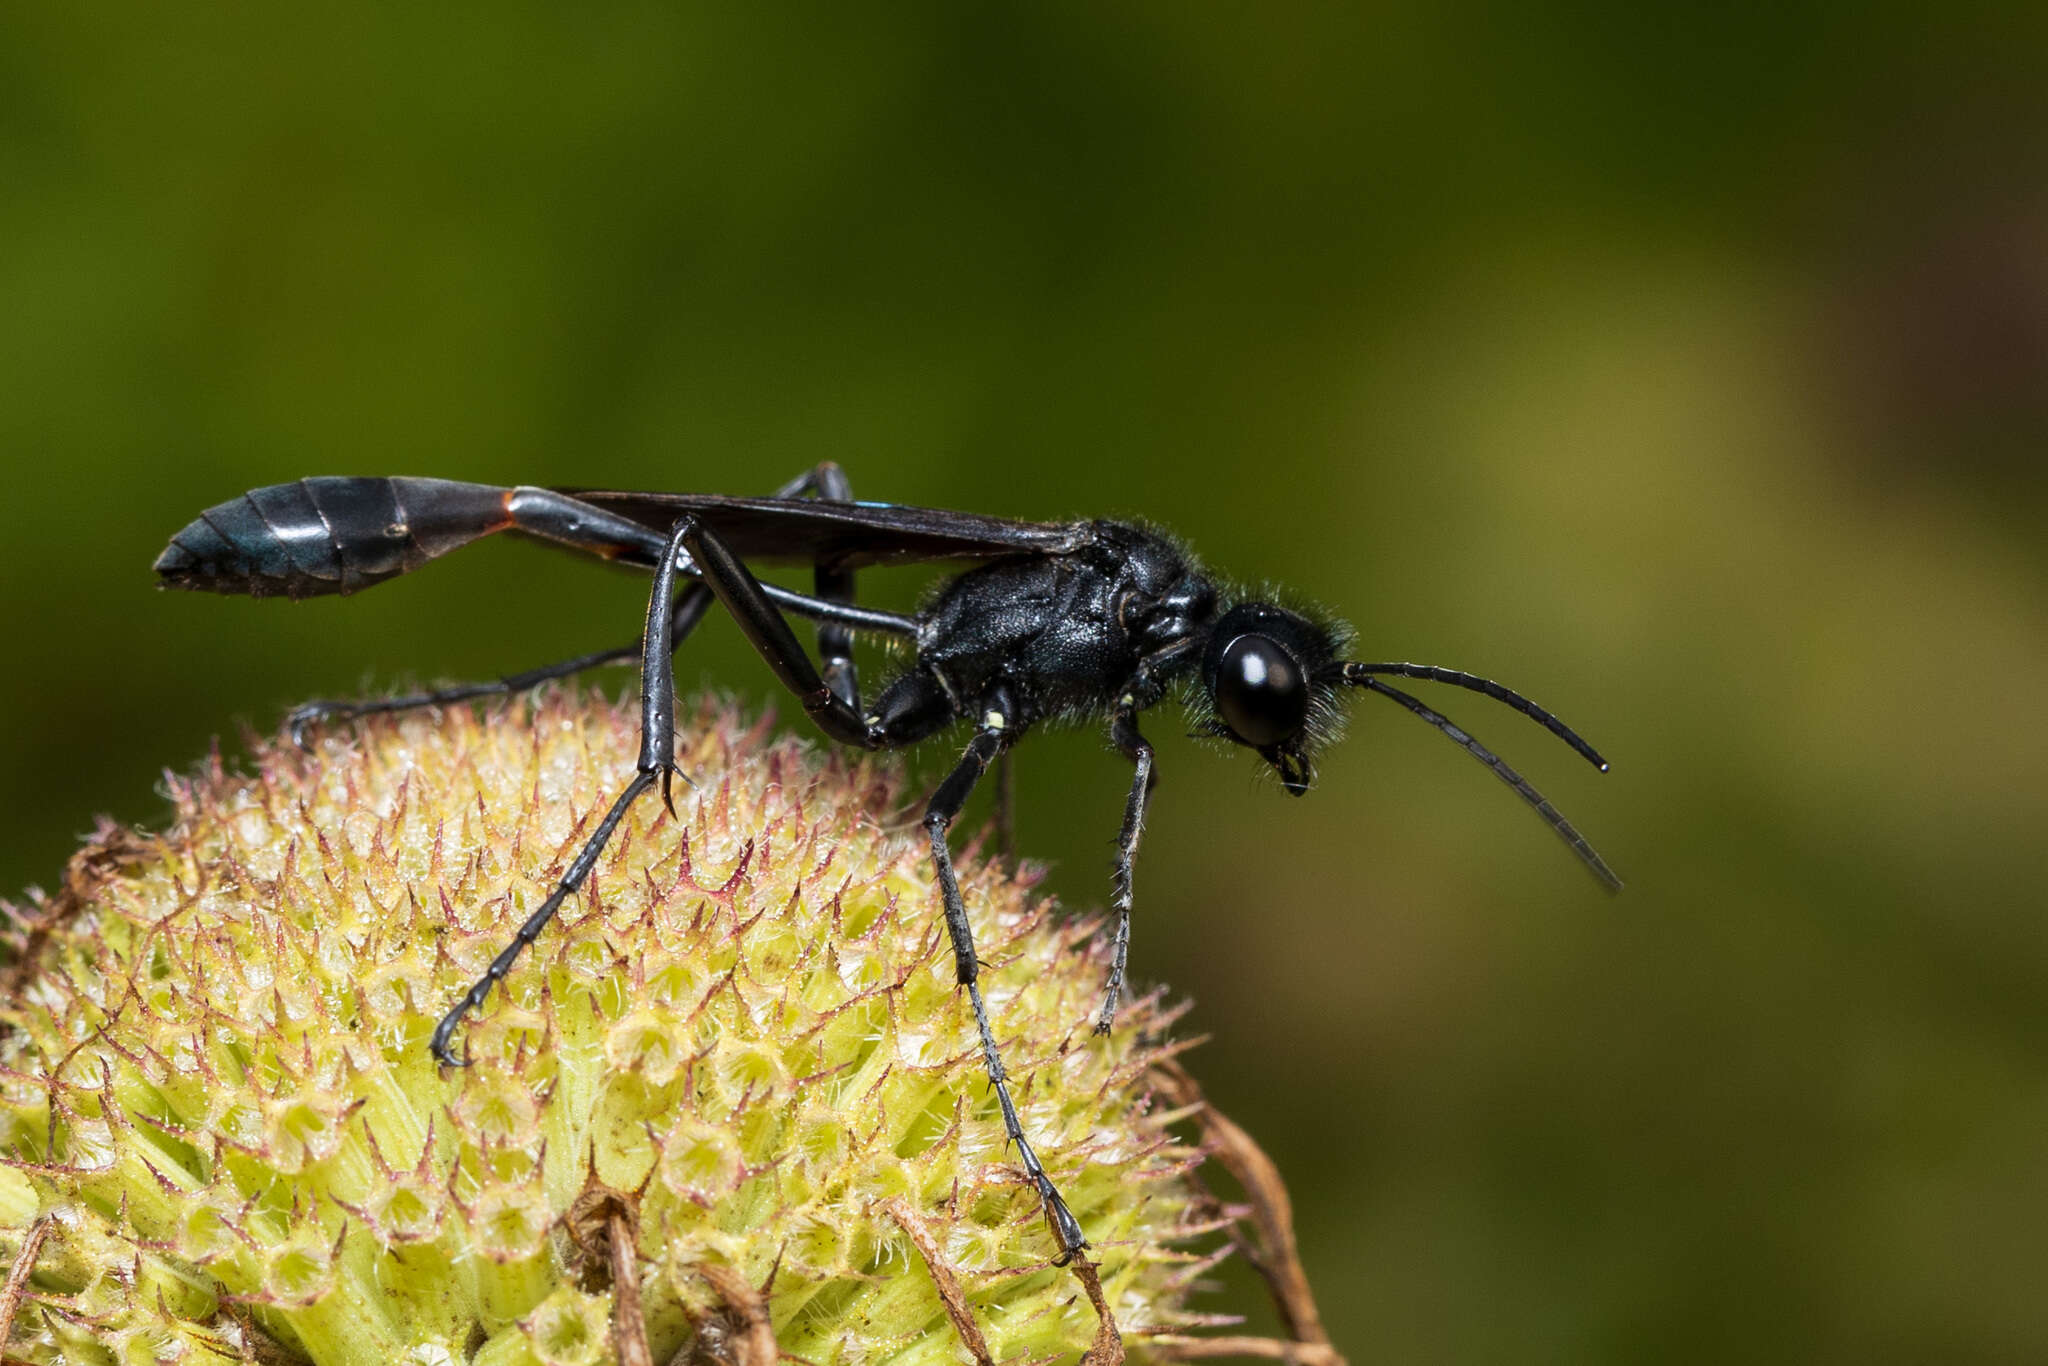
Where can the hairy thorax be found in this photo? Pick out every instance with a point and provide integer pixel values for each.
(1065, 630)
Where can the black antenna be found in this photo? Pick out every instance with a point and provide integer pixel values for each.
(1459, 678)
(1359, 676)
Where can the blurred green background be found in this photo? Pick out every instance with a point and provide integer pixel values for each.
(1685, 368)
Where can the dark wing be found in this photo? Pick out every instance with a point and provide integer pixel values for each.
(845, 535)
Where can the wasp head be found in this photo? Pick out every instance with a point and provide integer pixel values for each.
(1268, 682)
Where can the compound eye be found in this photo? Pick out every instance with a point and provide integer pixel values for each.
(1260, 691)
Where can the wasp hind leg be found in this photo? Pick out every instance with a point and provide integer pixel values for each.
(657, 762)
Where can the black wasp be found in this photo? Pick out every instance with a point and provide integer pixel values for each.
(1091, 619)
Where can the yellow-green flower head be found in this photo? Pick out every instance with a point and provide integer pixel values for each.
(218, 1108)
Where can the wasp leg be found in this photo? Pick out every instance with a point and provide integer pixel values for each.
(763, 624)
(988, 742)
(834, 584)
(689, 608)
(1124, 730)
(657, 760)
(1144, 690)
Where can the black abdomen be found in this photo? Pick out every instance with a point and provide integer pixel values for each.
(328, 535)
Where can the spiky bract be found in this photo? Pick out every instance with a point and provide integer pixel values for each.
(214, 1077)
